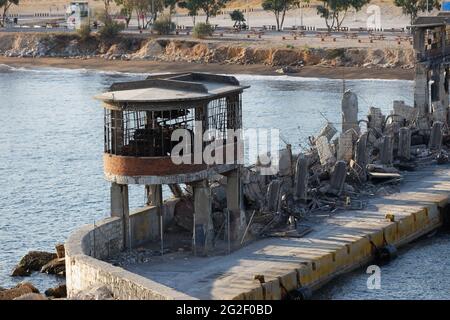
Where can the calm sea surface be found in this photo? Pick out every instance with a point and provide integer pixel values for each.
(51, 176)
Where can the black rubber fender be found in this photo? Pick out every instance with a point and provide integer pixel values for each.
(303, 293)
(386, 253)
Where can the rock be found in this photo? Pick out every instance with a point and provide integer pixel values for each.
(60, 250)
(94, 293)
(56, 266)
(57, 292)
(286, 69)
(35, 260)
(31, 296)
(19, 290)
(20, 271)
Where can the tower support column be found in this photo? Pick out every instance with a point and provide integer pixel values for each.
(203, 233)
(235, 204)
(120, 208)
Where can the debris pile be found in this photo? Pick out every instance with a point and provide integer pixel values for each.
(340, 171)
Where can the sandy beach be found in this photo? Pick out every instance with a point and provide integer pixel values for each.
(255, 69)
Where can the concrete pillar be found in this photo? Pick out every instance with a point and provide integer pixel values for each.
(386, 151)
(376, 118)
(345, 148)
(203, 233)
(235, 204)
(349, 111)
(338, 177)
(154, 194)
(404, 144)
(443, 91)
(120, 208)
(436, 136)
(273, 196)
(301, 179)
(117, 133)
(361, 155)
(421, 89)
(176, 190)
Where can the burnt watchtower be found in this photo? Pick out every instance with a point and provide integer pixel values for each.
(144, 124)
(432, 50)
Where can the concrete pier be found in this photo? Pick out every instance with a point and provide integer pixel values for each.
(337, 244)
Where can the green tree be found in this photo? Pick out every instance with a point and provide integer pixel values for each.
(192, 6)
(335, 11)
(126, 9)
(6, 4)
(413, 7)
(211, 7)
(279, 8)
(238, 17)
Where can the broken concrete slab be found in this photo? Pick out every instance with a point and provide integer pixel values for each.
(325, 155)
(338, 178)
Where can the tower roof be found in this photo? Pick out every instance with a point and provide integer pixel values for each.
(170, 88)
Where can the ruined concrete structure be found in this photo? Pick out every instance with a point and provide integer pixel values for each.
(140, 118)
(432, 48)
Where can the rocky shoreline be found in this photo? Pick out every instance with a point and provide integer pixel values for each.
(212, 51)
(38, 261)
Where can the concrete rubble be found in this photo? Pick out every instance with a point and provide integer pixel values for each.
(366, 159)
(339, 170)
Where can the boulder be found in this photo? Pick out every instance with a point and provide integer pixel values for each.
(35, 260)
(56, 266)
(57, 292)
(20, 271)
(17, 291)
(60, 250)
(94, 293)
(31, 296)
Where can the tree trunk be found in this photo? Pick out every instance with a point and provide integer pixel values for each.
(282, 19)
(277, 18)
(138, 18)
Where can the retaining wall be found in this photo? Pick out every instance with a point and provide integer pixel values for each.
(89, 244)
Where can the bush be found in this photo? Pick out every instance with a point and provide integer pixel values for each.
(84, 32)
(163, 25)
(111, 29)
(202, 30)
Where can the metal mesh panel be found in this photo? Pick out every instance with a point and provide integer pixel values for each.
(144, 133)
(148, 133)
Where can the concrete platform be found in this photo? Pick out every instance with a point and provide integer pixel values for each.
(338, 244)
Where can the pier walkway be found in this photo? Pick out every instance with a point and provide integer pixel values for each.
(336, 245)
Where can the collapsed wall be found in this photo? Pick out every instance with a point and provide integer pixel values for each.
(198, 51)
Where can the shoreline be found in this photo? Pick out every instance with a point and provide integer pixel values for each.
(148, 66)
